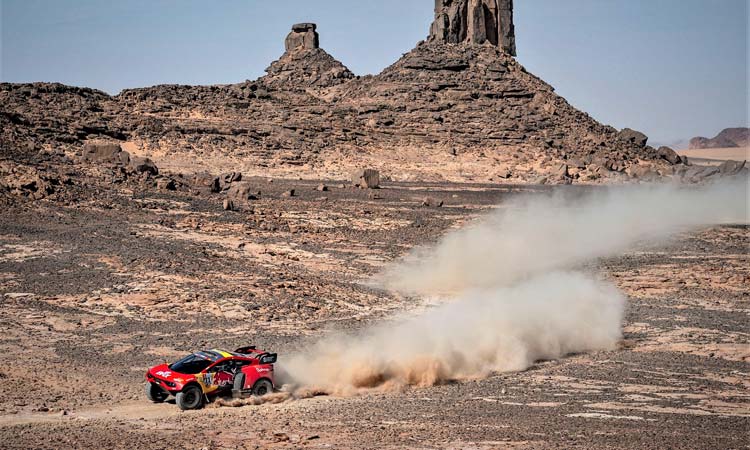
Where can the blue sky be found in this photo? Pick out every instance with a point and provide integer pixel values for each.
(672, 68)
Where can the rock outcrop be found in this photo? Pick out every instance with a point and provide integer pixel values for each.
(475, 22)
(728, 138)
(303, 36)
(304, 63)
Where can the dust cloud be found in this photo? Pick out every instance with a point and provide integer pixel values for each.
(511, 289)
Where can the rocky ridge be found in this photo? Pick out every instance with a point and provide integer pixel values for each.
(727, 138)
(458, 107)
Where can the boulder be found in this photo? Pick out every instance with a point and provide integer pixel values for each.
(633, 137)
(366, 179)
(105, 153)
(166, 184)
(142, 165)
(669, 155)
(729, 168)
(562, 172)
(241, 193)
(225, 181)
(642, 172)
(698, 174)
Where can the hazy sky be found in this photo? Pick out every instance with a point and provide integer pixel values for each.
(671, 68)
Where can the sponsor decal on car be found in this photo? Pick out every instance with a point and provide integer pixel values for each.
(164, 373)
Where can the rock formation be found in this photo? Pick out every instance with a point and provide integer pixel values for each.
(303, 36)
(455, 108)
(304, 63)
(728, 138)
(475, 22)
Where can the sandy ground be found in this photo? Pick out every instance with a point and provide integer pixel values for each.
(717, 154)
(96, 292)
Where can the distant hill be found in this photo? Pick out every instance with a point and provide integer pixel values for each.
(728, 138)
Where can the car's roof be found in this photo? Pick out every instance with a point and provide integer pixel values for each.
(216, 354)
(213, 355)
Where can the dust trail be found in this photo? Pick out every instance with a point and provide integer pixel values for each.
(535, 235)
(513, 299)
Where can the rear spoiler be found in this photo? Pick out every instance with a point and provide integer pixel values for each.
(268, 358)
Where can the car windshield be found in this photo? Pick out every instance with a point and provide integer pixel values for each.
(191, 364)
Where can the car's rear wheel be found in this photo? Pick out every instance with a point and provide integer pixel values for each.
(262, 387)
(155, 393)
(190, 398)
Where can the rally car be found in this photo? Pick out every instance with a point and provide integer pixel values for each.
(202, 375)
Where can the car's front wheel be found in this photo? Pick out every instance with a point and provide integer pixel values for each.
(262, 387)
(155, 393)
(190, 398)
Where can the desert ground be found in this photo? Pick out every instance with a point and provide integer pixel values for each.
(96, 290)
(715, 156)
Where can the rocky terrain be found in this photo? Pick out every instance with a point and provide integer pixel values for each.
(98, 287)
(727, 138)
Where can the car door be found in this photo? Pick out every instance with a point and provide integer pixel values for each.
(219, 377)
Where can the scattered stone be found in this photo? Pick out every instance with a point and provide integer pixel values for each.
(166, 184)
(540, 181)
(431, 202)
(322, 188)
(289, 193)
(228, 205)
(372, 195)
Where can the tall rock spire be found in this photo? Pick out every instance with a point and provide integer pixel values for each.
(475, 22)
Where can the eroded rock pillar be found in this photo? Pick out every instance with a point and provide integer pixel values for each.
(475, 22)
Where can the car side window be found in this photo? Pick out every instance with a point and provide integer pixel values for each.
(221, 367)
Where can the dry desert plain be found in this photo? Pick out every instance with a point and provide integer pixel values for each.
(96, 291)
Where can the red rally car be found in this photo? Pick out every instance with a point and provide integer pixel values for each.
(199, 375)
